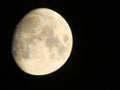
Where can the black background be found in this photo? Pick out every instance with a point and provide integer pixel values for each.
(90, 65)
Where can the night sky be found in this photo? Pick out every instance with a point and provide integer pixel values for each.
(90, 64)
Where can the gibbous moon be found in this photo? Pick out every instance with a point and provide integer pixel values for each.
(42, 42)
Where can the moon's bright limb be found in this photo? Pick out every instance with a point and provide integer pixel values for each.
(42, 42)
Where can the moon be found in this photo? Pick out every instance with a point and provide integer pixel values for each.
(42, 42)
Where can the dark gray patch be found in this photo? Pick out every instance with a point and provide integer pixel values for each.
(31, 39)
(40, 37)
(14, 52)
(27, 25)
(20, 49)
(25, 52)
(52, 42)
(61, 49)
(47, 31)
(48, 34)
(65, 38)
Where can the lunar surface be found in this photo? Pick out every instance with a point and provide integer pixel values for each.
(42, 42)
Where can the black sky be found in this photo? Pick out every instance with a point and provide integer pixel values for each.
(91, 60)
